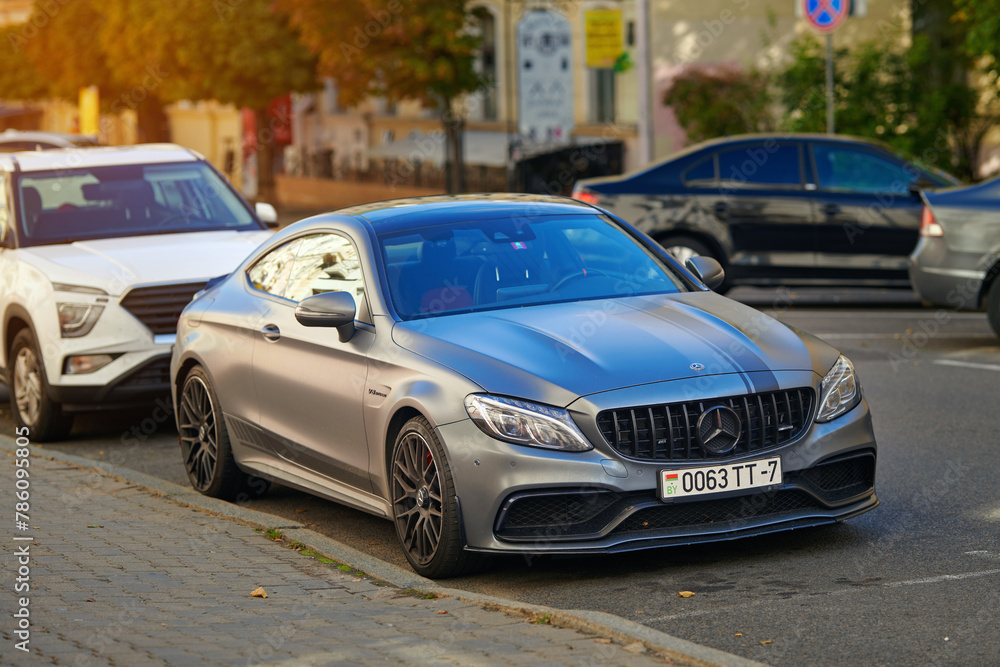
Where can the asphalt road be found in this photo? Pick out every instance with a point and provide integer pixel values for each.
(915, 581)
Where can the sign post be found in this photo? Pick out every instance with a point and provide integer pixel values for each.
(826, 16)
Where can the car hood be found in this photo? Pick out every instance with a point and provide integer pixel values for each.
(559, 352)
(115, 265)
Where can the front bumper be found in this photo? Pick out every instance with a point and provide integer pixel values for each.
(523, 500)
(945, 277)
(138, 386)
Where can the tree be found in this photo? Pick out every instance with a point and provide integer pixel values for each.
(240, 52)
(720, 102)
(423, 51)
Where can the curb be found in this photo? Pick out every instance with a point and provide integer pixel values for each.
(678, 651)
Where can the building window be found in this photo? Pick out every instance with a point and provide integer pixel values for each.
(602, 95)
(486, 64)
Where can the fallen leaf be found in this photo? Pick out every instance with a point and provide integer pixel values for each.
(101, 453)
(443, 611)
(640, 612)
(634, 647)
(93, 525)
(300, 511)
(765, 642)
(739, 634)
(258, 593)
(685, 594)
(90, 600)
(602, 640)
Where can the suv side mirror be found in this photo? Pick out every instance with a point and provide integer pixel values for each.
(329, 309)
(267, 214)
(707, 270)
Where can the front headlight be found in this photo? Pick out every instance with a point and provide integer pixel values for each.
(839, 392)
(524, 423)
(77, 319)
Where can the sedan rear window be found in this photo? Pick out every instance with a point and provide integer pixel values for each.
(509, 263)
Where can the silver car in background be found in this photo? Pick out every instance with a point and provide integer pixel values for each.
(956, 264)
(513, 374)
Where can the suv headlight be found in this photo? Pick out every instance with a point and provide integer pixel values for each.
(77, 319)
(524, 423)
(839, 392)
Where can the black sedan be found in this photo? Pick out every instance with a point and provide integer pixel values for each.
(780, 209)
(957, 262)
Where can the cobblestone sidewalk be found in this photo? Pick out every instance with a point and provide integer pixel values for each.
(119, 576)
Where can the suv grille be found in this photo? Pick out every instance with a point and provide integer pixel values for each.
(159, 307)
(669, 432)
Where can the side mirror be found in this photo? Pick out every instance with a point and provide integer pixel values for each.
(329, 309)
(707, 270)
(267, 214)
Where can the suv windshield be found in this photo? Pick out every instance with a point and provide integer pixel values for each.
(131, 200)
(509, 263)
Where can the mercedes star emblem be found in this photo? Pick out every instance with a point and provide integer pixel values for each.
(697, 367)
(719, 430)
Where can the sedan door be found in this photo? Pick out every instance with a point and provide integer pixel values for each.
(310, 386)
(763, 202)
(869, 220)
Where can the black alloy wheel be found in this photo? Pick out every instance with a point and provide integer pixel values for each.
(204, 440)
(424, 506)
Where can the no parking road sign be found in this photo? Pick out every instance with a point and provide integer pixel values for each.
(825, 15)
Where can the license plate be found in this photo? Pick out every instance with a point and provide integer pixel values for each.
(719, 479)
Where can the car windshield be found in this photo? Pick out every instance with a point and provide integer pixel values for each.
(510, 263)
(131, 200)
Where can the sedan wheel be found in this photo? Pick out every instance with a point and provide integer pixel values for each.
(205, 446)
(993, 306)
(424, 506)
(30, 403)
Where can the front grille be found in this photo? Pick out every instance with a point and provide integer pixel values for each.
(669, 432)
(155, 373)
(682, 515)
(159, 307)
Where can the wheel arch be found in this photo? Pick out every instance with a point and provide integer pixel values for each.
(713, 243)
(15, 320)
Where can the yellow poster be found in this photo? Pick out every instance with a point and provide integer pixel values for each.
(90, 111)
(604, 36)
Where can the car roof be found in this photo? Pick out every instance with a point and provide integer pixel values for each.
(415, 212)
(11, 135)
(101, 156)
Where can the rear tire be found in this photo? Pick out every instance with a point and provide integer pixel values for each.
(993, 306)
(29, 392)
(205, 446)
(425, 507)
(684, 247)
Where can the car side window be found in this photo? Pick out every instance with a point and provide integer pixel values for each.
(702, 173)
(327, 263)
(848, 170)
(763, 164)
(270, 272)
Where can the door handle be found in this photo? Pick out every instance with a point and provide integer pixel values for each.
(721, 208)
(831, 209)
(271, 332)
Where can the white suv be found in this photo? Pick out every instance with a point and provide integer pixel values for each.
(100, 250)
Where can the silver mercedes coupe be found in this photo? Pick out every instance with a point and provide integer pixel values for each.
(513, 374)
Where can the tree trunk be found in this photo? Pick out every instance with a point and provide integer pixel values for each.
(152, 125)
(454, 127)
(265, 158)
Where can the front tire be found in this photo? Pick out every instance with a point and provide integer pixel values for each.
(29, 392)
(424, 505)
(205, 446)
(993, 306)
